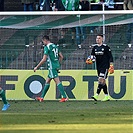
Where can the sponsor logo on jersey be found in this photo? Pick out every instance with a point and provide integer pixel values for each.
(99, 53)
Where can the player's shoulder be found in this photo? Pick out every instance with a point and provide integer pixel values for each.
(50, 45)
(98, 45)
(53, 45)
(94, 45)
(105, 45)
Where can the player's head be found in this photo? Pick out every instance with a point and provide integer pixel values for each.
(99, 39)
(45, 39)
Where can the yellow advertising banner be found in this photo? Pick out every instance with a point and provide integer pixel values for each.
(78, 84)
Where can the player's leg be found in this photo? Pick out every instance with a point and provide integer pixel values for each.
(54, 73)
(61, 89)
(99, 88)
(51, 75)
(46, 87)
(106, 98)
(102, 85)
(6, 104)
(95, 97)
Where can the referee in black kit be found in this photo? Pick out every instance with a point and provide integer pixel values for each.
(104, 64)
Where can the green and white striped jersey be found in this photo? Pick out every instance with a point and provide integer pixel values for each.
(52, 51)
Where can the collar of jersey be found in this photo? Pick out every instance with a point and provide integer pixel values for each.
(101, 45)
(49, 44)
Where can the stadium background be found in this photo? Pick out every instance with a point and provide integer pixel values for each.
(16, 5)
(21, 49)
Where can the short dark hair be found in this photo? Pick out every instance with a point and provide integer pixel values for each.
(45, 37)
(100, 35)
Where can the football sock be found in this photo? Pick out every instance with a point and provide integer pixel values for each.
(61, 89)
(46, 87)
(100, 86)
(105, 89)
(2, 94)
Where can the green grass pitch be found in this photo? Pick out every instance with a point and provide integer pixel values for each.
(69, 117)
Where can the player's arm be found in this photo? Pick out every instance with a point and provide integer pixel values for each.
(41, 62)
(111, 68)
(110, 56)
(89, 60)
(60, 57)
(93, 50)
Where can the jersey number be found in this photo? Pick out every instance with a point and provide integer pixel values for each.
(55, 50)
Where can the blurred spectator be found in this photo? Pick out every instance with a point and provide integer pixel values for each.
(59, 5)
(38, 5)
(97, 6)
(1, 5)
(71, 5)
(84, 5)
(40, 2)
(51, 5)
(128, 5)
(28, 4)
(109, 5)
(46, 5)
(118, 6)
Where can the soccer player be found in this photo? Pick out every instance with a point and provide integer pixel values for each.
(6, 104)
(53, 56)
(104, 64)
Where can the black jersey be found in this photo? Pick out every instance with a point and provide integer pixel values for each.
(103, 56)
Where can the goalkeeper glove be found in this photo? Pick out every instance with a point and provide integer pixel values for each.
(89, 61)
(111, 69)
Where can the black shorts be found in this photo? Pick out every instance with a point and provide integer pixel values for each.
(103, 73)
